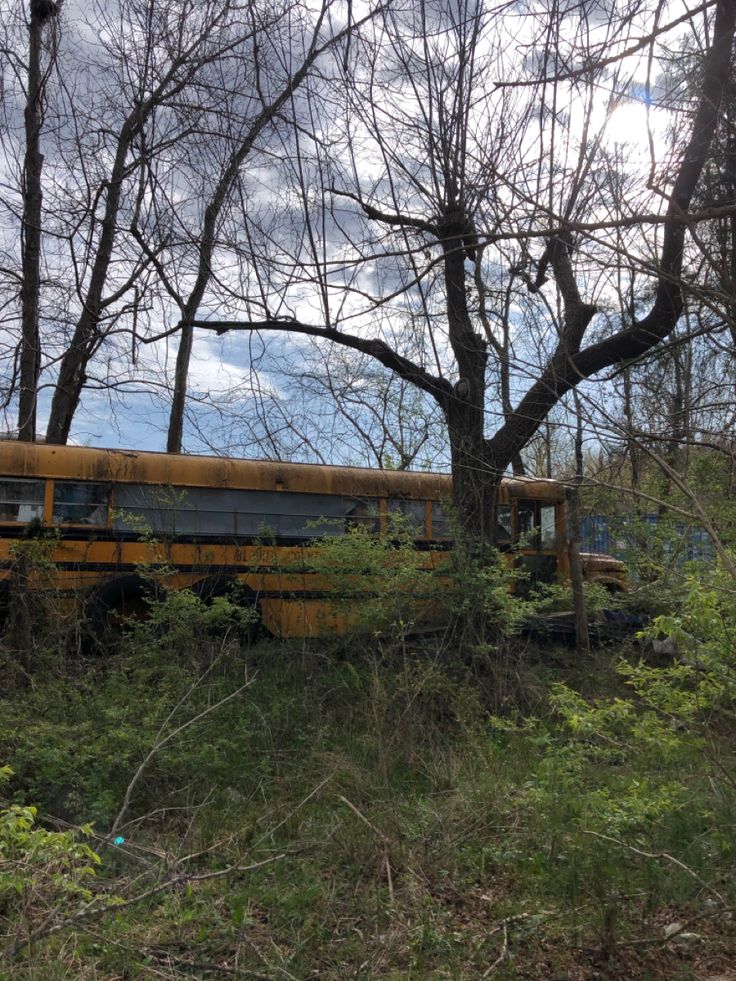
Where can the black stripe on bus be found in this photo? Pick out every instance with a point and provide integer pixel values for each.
(291, 596)
(118, 537)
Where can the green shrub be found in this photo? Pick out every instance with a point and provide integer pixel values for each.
(41, 871)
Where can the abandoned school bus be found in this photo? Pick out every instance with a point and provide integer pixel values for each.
(207, 523)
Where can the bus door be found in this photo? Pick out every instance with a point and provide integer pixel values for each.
(536, 539)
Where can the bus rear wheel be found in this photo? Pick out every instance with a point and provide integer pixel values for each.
(114, 605)
(214, 586)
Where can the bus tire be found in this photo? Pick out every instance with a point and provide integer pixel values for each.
(213, 586)
(106, 610)
(216, 585)
(5, 600)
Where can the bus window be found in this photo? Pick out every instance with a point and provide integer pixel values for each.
(526, 513)
(548, 531)
(223, 513)
(146, 509)
(21, 500)
(365, 513)
(290, 515)
(412, 516)
(504, 527)
(80, 503)
(440, 522)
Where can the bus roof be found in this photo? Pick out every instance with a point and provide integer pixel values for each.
(44, 460)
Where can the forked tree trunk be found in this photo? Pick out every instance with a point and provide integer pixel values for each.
(474, 482)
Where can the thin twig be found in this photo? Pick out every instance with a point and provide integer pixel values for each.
(293, 811)
(160, 743)
(502, 956)
(93, 909)
(383, 839)
(659, 855)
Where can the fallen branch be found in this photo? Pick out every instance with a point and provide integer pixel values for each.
(161, 740)
(657, 856)
(503, 956)
(382, 838)
(94, 908)
(682, 928)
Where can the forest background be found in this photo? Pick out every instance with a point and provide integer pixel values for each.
(454, 235)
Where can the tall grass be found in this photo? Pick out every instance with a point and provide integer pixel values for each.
(369, 809)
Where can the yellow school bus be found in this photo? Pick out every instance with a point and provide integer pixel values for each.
(206, 523)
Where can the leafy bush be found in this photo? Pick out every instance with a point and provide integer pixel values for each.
(639, 790)
(385, 585)
(40, 870)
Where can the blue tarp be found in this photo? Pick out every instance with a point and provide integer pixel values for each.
(623, 535)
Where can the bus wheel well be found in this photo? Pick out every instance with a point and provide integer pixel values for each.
(112, 603)
(214, 585)
(224, 584)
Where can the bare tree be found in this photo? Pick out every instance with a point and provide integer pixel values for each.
(160, 53)
(42, 15)
(475, 170)
(272, 94)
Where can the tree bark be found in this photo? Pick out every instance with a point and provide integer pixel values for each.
(474, 483)
(30, 352)
(582, 635)
(87, 336)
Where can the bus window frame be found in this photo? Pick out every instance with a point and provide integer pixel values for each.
(505, 543)
(535, 543)
(51, 502)
(24, 522)
(424, 530)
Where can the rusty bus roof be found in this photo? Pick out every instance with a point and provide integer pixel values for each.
(45, 460)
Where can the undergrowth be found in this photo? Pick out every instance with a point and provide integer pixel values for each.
(370, 809)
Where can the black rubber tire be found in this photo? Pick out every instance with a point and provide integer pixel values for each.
(5, 595)
(111, 597)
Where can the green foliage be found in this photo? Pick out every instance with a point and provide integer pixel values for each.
(35, 628)
(485, 577)
(77, 742)
(711, 476)
(379, 583)
(385, 584)
(417, 826)
(41, 869)
(557, 597)
(180, 617)
(479, 820)
(637, 789)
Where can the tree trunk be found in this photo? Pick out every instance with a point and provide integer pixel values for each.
(178, 401)
(30, 352)
(582, 635)
(87, 336)
(474, 481)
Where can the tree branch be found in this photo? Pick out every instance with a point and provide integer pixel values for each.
(388, 218)
(566, 370)
(439, 388)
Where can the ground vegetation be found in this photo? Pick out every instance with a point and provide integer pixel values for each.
(198, 803)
